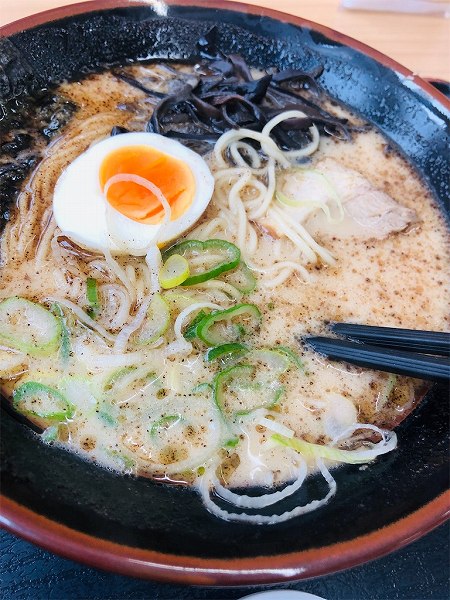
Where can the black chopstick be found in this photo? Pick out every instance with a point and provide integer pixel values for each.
(428, 342)
(422, 366)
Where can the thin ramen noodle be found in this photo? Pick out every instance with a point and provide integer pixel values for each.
(179, 356)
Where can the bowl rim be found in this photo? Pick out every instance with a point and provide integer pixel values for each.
(79, 8)
(180, 569)
(126, 560)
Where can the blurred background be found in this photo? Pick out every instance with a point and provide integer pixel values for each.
(417, 36)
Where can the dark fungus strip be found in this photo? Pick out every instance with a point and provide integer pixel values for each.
(117, 130)
(207, 84)
(205, 109)
(240, 67)
(207, 44)
(234, 99)
(136, 84)
(164, 106)
(303, 104)
(197, 137)
(222, 66)
(227, 96)
(290, 76)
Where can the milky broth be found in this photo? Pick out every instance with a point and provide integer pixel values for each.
(400, 281)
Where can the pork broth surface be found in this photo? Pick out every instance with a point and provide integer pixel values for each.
(145, 414)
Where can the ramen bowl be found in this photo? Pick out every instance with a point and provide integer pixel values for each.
(139, 527)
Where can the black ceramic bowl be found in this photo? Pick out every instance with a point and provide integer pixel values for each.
(135, 526)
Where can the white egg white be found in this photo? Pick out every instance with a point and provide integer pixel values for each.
(83, 214)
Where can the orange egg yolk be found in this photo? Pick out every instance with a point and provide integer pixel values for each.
(171, 175)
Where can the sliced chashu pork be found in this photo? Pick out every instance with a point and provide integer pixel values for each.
(375, 212)
(368, 211)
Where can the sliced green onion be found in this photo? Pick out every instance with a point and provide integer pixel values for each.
(278, 393)
(384, 396)
(114, 377)
(92, 297)
(179, 299)
(237, 391)
(274, 390)
(39, 400)
(156, 321)
(202, 388)
(293, 356)
(107, 417)
(123, 383)
(127, 462)
(276, 427)
(351, 457)
(164, 423)
(207, 259)
(65, 346)
(29, 327)
(190, 332)
(220, 327)
(274, 362)
(226, 385)
(225, 352)
(241, 278)
(174, 272)
(232, 443)
(50, 434)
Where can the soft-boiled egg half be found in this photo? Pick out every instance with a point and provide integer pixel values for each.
(130, 191)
